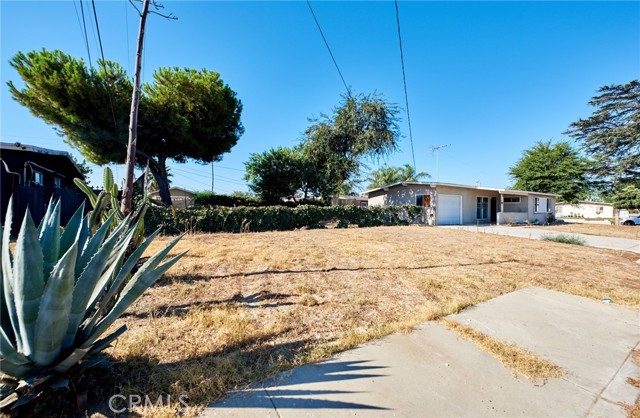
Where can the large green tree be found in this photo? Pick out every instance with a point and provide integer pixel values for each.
(283, 173)
(628, 197)
(611, 135)
(611, 138)
(361, 127)
(552, 168)
(388, 175)
(184, 114)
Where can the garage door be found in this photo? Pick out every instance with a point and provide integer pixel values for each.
(449, 209)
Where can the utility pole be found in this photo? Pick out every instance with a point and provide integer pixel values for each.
(127, 193)
(212, 177)
(434, 150)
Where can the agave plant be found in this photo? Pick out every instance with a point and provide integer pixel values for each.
(61, 292)
(105, 203)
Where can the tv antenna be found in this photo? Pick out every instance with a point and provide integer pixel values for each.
(434, 150)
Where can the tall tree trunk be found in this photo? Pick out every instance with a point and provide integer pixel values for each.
(159, 171)
(616, 216)
(127, 193)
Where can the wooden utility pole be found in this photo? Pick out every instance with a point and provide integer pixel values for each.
(127, 193)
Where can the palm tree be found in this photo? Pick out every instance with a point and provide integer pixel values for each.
(388, 175)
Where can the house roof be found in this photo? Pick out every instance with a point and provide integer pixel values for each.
(157, 192)
(20, 147)
(462, 186)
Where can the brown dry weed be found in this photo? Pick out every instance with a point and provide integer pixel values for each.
(240, 307)
(533, 367)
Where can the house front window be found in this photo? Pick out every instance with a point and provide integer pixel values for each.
(38, 178)
(423, 200)
(482, 207)
(540, 204)
(512, 199)
(57, 183)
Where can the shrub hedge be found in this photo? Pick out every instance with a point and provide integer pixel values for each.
(210, 199)
(273, 218)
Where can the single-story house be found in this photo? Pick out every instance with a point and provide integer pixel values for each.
(584, 209)
(33, 175)
(180, 198)
(361, 201)
(456, 204)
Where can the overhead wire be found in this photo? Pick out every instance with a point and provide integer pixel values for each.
(104, 66)
(224, 179)
(126, 24)
(328, 48)
(404, 79)
(86, 36)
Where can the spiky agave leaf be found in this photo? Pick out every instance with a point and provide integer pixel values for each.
(60, 297)
(55, 305)
(27, 282)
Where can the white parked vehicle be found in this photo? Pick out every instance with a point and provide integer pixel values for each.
(632, 220)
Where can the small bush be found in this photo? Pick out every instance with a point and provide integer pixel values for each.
(565, 239)
(342, 224)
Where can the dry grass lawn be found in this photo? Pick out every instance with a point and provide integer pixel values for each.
(238, 308)
(617, 231)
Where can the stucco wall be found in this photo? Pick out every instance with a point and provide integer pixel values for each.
(523, 206)
(399, 195)
(585, 210)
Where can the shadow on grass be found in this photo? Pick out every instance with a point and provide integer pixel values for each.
(201, 378)
(188, 278)
(256, 300)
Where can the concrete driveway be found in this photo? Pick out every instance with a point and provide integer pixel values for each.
(611, 243)
(433, 372)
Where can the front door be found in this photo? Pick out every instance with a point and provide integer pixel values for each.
(494, 210)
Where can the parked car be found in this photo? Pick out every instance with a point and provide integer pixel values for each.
(632, 220)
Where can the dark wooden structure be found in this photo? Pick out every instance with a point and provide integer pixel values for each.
(34, 175)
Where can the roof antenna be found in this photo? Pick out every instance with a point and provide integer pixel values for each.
(434, 150)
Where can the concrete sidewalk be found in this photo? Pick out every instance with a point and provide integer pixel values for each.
(611, 243)
(433, 372)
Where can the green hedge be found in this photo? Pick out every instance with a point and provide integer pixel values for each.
(273, 218)
(210, 199)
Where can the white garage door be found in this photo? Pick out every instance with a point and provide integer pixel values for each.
(449, 209)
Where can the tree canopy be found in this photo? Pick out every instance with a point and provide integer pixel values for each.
(611, 135)
(183, 114)
(628, 197)
(283, 173)
(388, 175)
(552, 168)
(361, 127)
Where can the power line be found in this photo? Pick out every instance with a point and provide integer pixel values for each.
(224, 179)
(86, 37)
(329, 49)
(126, 23)
(104, 66)
(404, 79)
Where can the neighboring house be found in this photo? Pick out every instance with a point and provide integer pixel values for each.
(584, 210)
(33, 175)
(361, 201)
(455, 204)
(180, 198)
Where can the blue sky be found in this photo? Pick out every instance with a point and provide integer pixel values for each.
(489, 78)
